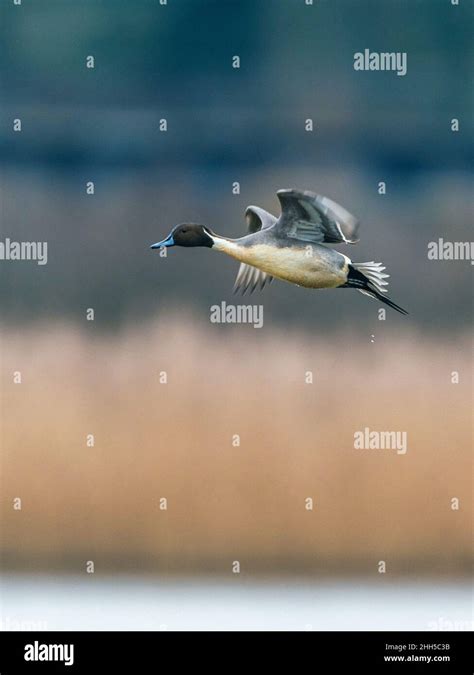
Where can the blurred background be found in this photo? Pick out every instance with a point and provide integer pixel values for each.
(100, 503)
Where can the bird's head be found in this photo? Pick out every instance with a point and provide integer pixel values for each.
(187, 234)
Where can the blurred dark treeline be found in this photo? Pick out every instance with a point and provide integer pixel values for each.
(226, 125)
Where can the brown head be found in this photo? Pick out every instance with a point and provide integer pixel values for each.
(187, 234)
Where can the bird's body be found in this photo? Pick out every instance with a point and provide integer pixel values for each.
(312, 267)
(292, 247)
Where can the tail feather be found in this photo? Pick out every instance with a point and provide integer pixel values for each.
(368, 278)
(374, 272)
(386, 300)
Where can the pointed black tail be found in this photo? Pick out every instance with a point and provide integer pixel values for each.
(355, 279)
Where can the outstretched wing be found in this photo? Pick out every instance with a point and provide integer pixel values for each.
(258, 219)
(315, 219)
(249, 277)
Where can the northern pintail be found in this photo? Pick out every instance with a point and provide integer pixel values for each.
(292, 247)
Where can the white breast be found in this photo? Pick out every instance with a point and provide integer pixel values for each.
(301, 266)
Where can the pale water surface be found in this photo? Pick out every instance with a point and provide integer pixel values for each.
(142, 603)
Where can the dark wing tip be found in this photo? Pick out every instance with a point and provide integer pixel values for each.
(295, 192)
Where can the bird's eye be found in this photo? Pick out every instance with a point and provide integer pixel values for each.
(183, 231)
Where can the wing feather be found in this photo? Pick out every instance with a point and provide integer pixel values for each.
(314, 218)
(249, 277)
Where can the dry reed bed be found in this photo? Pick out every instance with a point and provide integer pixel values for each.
(230, 503)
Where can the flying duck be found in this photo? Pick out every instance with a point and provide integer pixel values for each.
(292, 247)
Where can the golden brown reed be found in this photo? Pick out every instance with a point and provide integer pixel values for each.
(230, 503)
